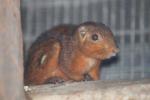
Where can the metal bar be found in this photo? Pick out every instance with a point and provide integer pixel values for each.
(48, 17)
(132, 37)
(56, 13)
(122, 37)
(66, 13)
(111, 23)
(142, 38)
(76, 11)
(28, 20)
(84, 11)
(50, 14)
(105, 11)
(37, 19)
(113, 15)
(94, 11)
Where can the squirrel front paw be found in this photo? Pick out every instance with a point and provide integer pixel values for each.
(87, 77)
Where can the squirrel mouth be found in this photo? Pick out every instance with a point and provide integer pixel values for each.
(111, 55)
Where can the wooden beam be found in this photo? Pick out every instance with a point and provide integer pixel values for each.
(11, 55)
(96, 90)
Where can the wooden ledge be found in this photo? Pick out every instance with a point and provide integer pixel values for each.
(94, 90)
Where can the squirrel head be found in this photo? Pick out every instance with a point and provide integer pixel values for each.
(96, 40)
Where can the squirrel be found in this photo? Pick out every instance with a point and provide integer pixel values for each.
(69, 52)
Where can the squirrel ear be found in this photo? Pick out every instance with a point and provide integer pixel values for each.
(82, 32)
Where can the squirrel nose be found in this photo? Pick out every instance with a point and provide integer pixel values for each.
(112, 49)
(115, 50)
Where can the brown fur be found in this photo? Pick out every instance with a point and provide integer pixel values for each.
(68, 52)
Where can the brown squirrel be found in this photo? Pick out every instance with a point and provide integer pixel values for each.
(69, 52)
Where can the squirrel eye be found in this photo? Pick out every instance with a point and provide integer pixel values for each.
(94, 37)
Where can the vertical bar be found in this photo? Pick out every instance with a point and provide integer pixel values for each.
(50, 14)
(29, 17)
(71, 3)
(142, 46)
(115, 70)
(75, 11)
(80, 11)
(104, 20)
(132, 37)
(84, 10)
(61, 12)
(113, 14)
(37, 17)
(99, 10)
(89, 10)
(94, 11)
(105, 11)
(66, 13)
(122, 37)
(56, 12)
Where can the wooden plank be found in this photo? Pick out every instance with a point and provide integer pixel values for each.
(11, 60)
(96, 90)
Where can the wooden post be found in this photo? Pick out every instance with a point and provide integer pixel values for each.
(11, 59)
